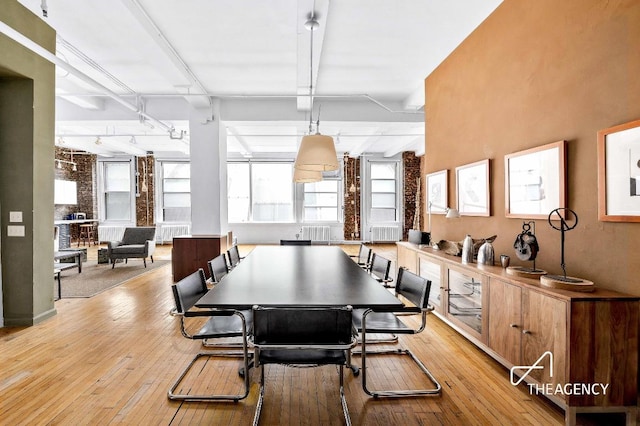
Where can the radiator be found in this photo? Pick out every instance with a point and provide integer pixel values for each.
(167, 232)
(385, 233)
(110, 233)
(316, 233)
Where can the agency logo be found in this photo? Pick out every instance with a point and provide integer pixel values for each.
(550, 388)
(529, 368)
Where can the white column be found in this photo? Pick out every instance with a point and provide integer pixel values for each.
(208, 171)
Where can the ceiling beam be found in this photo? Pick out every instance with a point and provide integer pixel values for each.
(246, 152)
(411, 145)
(140, 14)
(364, 146)
(415, 101)
(320, 13)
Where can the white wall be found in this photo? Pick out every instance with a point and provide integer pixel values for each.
(272, 233)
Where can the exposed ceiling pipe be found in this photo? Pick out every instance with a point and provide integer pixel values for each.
(342, 135)
(93, 64)
(45, 54)
(154, 31)
(265, 96)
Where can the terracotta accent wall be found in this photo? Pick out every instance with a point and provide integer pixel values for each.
(411, 165)
(537, 72)
(145, 192)
(352, 199)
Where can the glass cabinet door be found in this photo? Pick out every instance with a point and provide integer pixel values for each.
(432, 271)
(464, 301)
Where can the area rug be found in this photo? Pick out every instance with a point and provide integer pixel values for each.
(96, 278)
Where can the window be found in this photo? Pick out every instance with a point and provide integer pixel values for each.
(176, 192)
(117, 191)
(260, 192)
(239, 192)
(383, 192)
(321, 201)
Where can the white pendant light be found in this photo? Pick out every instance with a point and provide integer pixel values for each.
(306, 176)
(317, 152)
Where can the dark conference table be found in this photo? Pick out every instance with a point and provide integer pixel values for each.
(298, 276)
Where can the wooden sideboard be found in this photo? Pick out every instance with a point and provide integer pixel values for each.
(191, 252)
(592, 337)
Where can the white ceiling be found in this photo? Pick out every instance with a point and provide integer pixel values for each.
(162, 58)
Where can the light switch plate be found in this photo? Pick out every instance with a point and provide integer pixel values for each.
(15, 231)
(15, 217)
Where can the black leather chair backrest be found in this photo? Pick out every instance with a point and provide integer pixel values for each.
(234, 256)
(189, 290)
(295, 242)
(304, 326)
(413, 287)
(380, 266)
(364, 255)
(218, 268)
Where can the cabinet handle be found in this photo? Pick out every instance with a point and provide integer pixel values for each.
(513, 325)
(526, 331)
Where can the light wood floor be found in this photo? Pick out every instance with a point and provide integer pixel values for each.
(110, 359)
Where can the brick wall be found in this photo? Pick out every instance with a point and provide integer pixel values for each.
(86, 182)
(145, 191)
(412, 166)
(352, 206)
(85, 178)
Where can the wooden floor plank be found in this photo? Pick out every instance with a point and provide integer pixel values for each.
(110, 359)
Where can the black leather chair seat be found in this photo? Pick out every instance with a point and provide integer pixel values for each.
(307, 356)
(228, 326)
(380, 322)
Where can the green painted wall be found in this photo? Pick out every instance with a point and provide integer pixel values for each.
(27, 114)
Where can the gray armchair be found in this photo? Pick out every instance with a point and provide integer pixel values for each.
(136, 242)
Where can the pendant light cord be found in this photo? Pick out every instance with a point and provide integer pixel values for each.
(312, 22)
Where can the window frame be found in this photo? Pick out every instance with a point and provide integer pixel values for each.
(368, 195)
(160, 192)
(339, 203)
(294, 192)
(102, 201)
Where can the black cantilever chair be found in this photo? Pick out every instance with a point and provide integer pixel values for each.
(364, 257)
(379, 269)
(415, 289)
(221, 324)
(303, 336)
(218, 268)
(295, 242)
(234, 256)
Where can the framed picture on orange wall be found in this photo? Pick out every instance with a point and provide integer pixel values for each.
(472, 189)
(437, 197)
(535, 181)
(619, 173)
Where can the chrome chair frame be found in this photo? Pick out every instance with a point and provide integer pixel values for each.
(209, 331)
(296, 348)
(388, 322)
